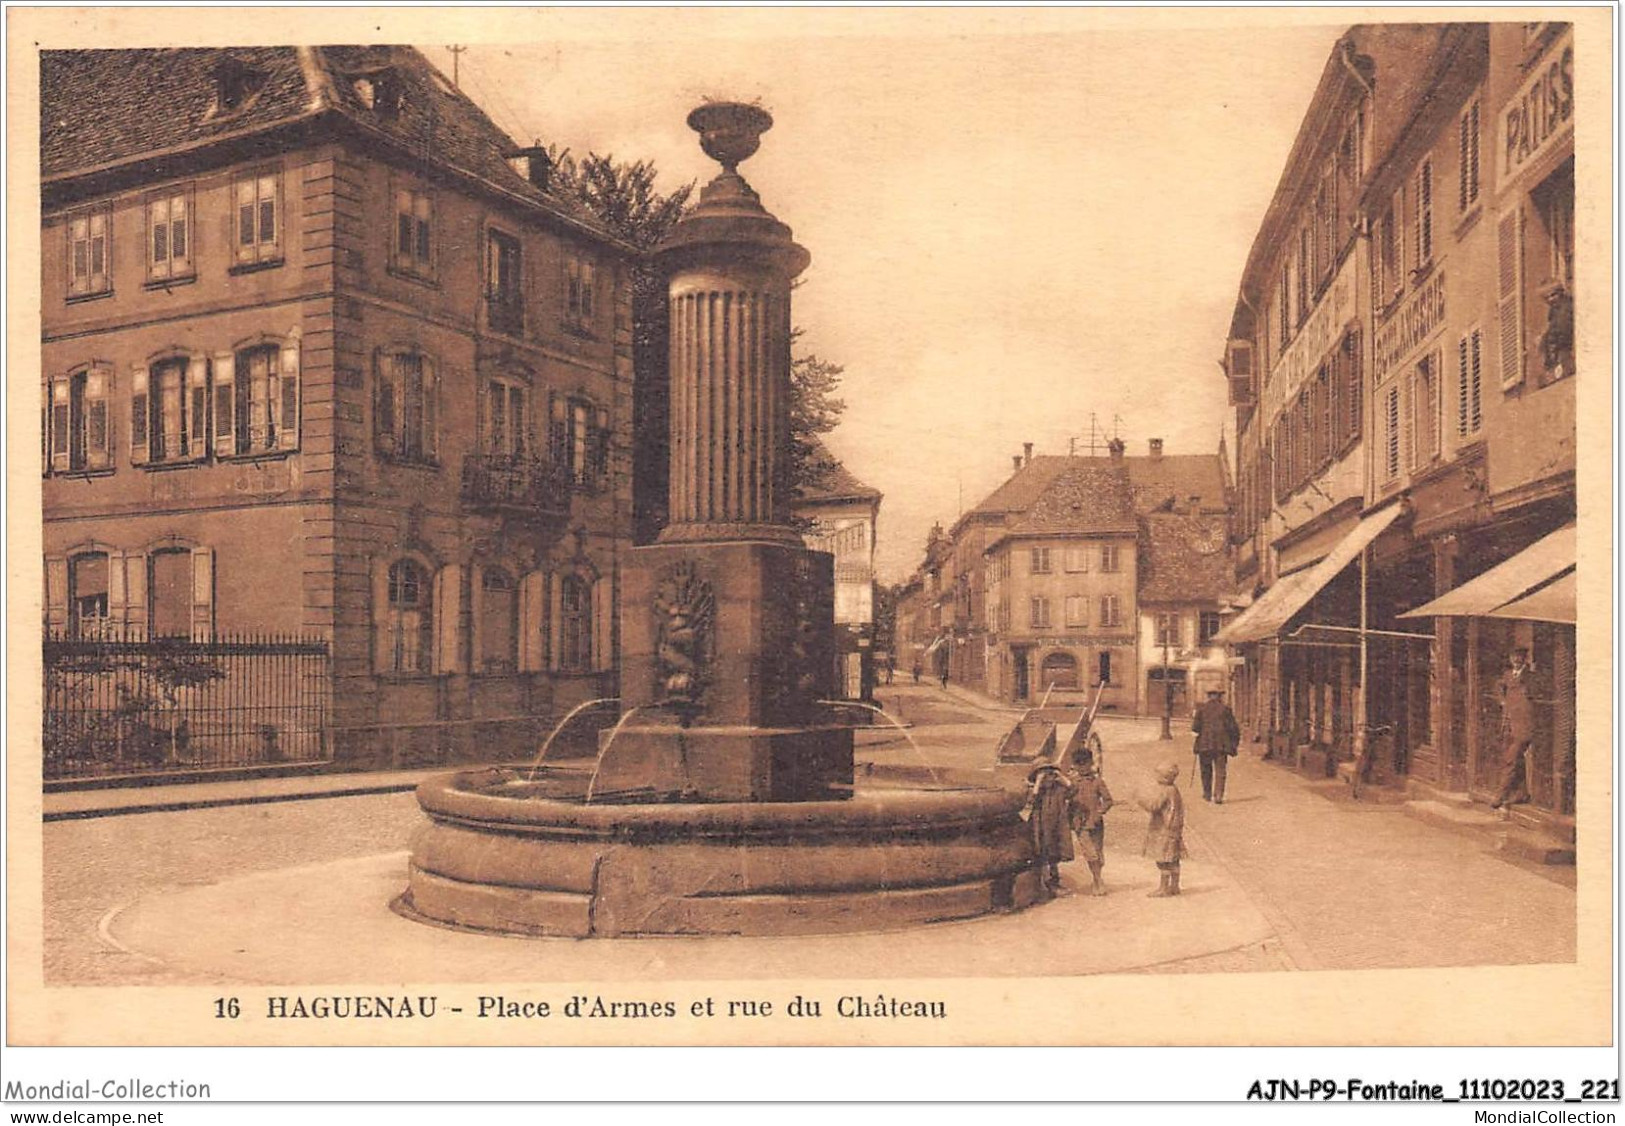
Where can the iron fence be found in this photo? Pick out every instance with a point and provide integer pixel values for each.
(121, 705)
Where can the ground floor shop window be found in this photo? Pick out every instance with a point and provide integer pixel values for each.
(1060, 670)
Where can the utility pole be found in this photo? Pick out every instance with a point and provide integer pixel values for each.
(456, 53)
(1167, 694)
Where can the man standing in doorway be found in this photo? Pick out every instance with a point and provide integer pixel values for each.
(1517, 727)
(1217, 737)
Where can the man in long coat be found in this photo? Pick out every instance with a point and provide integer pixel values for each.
(1518, 729)
(1217, 737)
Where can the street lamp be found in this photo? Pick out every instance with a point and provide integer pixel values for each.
(1167, 694)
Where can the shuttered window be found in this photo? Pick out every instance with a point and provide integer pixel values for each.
(1422, 238)
(413, 247)
(77, 424)
(1467, 179)
(1469, 384)
(90, 253)
(1424, 394)
(169, 235)
(406, 406)
(257, 217)
(1391, 435)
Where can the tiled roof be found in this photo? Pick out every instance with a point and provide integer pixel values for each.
(100, 108)
(1177, 476)
(837, 482)
(1171, 567)
(1024, 486)
(1089, 495)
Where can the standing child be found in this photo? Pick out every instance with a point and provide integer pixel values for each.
(1165, 836)
(1090, 801)
(1048, 807)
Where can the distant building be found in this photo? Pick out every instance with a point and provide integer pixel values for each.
(325, 354)
(1041, 585)
(843, 512)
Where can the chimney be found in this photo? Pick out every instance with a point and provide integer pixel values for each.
(1027, 453)
(1156, 447)
(533, 163)
(1115, 448)
(1015, 462)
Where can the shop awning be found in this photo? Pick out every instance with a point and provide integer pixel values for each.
(1553, 602)
(1275, 607)
(1541, 561)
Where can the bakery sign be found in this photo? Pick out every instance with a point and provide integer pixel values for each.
(1542, 113)
(1407, 329)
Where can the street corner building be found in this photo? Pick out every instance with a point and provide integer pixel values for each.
(336, 425)
(1402, 366)
(1081, 575)
(841, 512)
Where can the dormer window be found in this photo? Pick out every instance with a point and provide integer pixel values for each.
(380, 91)
(236, 83)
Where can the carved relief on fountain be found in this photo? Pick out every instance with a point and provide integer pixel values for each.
(685, 616)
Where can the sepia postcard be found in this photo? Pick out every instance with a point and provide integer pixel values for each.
(835, 527)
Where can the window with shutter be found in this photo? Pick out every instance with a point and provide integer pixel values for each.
(413, 242)
(90, 271)
(258, 218)
(140, 416)
(288, 399)
(1467, 179)
(1509, 294)
(1423, 237)
(169, 234)
(1391, 433)
(406, 406)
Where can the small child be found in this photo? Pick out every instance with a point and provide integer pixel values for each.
(1165, 835)
(1049, 806)
(1090, 801)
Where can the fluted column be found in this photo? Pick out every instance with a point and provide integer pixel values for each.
(729, 265)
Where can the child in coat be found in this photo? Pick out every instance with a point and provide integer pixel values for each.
(1165, 836)
(1049, 817)
(1090, 801)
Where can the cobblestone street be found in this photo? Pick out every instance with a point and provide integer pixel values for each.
(1284, 875)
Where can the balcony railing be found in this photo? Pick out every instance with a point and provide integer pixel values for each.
(517, 485)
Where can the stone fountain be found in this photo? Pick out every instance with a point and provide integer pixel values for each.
(724, 801)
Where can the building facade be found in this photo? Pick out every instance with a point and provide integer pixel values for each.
(1455, 450)
(842, 513)
(1041, 586)
(324, 356)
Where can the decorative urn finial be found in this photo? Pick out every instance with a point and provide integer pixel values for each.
(730, 131)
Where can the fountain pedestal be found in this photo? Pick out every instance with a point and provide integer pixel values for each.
(742, 723)
(723, 801)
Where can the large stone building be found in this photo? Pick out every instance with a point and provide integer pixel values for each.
(325, 355)
(1400, 361)
(1042, 586)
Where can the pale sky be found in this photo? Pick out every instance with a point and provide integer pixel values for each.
(1008, 231)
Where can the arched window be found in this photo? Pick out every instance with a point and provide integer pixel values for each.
(575, 623)
(87, 587)
(407, 618)
(499, 621)
(169, 585)
(1060, 670)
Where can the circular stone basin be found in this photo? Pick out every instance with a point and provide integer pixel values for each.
(499, 855)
